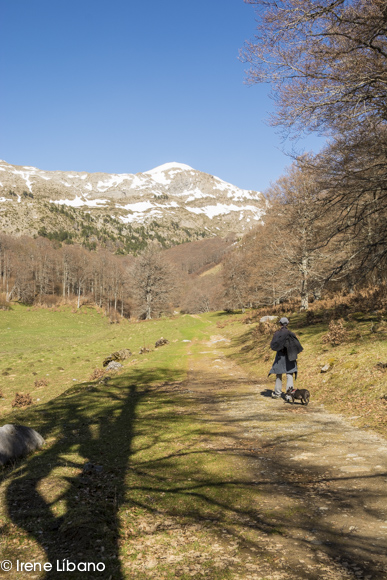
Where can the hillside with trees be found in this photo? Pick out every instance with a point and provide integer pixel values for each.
(326, 225)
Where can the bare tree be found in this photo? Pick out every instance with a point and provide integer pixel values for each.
(326, 60)
(30, 269)
(304, 243)
(154, 283)
(327, 63)
(352, 172)
(5, 264)
(290, 253)
(236, 279)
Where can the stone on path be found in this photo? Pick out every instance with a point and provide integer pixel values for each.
(17, 441)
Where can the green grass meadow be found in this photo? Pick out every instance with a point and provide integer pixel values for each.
(64, 346)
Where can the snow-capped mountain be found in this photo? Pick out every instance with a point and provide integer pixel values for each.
(171, 195)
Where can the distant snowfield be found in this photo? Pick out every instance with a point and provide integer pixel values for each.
(143, 210)
(212, 211)
(168, 166)
(164, 173)
(78, 202)
(140, 206)
(139, 217)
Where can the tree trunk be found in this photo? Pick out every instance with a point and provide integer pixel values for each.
(304, 284)
(148, 309)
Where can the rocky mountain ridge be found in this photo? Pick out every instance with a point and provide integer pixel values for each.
(172, 202)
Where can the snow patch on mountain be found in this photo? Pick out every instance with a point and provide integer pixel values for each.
(139, 217)
(163, 174)
(220, 209)
(140, 206)
(113, 181)
(79, 202)
(170, 166)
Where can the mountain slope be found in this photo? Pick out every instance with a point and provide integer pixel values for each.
(174, 201)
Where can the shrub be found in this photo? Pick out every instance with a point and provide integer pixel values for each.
(143, 350)
(97, 374)
(49, 300)
(41, 383)
(267, 327)
(337, 333)
(4, 305)
(114, 317)
(21, 400)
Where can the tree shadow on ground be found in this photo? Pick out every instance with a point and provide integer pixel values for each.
(224, 313)
(69, 505)
(182, 484)
(187, 459)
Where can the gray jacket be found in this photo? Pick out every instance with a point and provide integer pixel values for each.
(288, 347)
(282, 364)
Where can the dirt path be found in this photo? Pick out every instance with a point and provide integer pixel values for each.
(323, 482)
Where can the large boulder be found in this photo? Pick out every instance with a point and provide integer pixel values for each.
(17, 441)
(124, 353)
(113, 366)
(268, 318)
(118, 356)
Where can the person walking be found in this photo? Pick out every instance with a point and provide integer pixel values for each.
(287, 346)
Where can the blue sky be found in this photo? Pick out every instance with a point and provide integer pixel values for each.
(123, 86)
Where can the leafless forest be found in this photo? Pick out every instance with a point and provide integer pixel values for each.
(154, 283)
(326, 227)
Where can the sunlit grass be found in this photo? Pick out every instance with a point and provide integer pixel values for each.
(354, 385)
(63, 347)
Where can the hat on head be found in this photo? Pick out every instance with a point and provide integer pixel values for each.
(284, 321)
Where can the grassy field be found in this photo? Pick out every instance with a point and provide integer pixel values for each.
(133, 425)
(64, 346)
(129, 466)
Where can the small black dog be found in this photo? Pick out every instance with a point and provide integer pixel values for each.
(302, 394)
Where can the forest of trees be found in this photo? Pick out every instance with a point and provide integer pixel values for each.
(326, 226)
(38, 271)
(44, 272)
